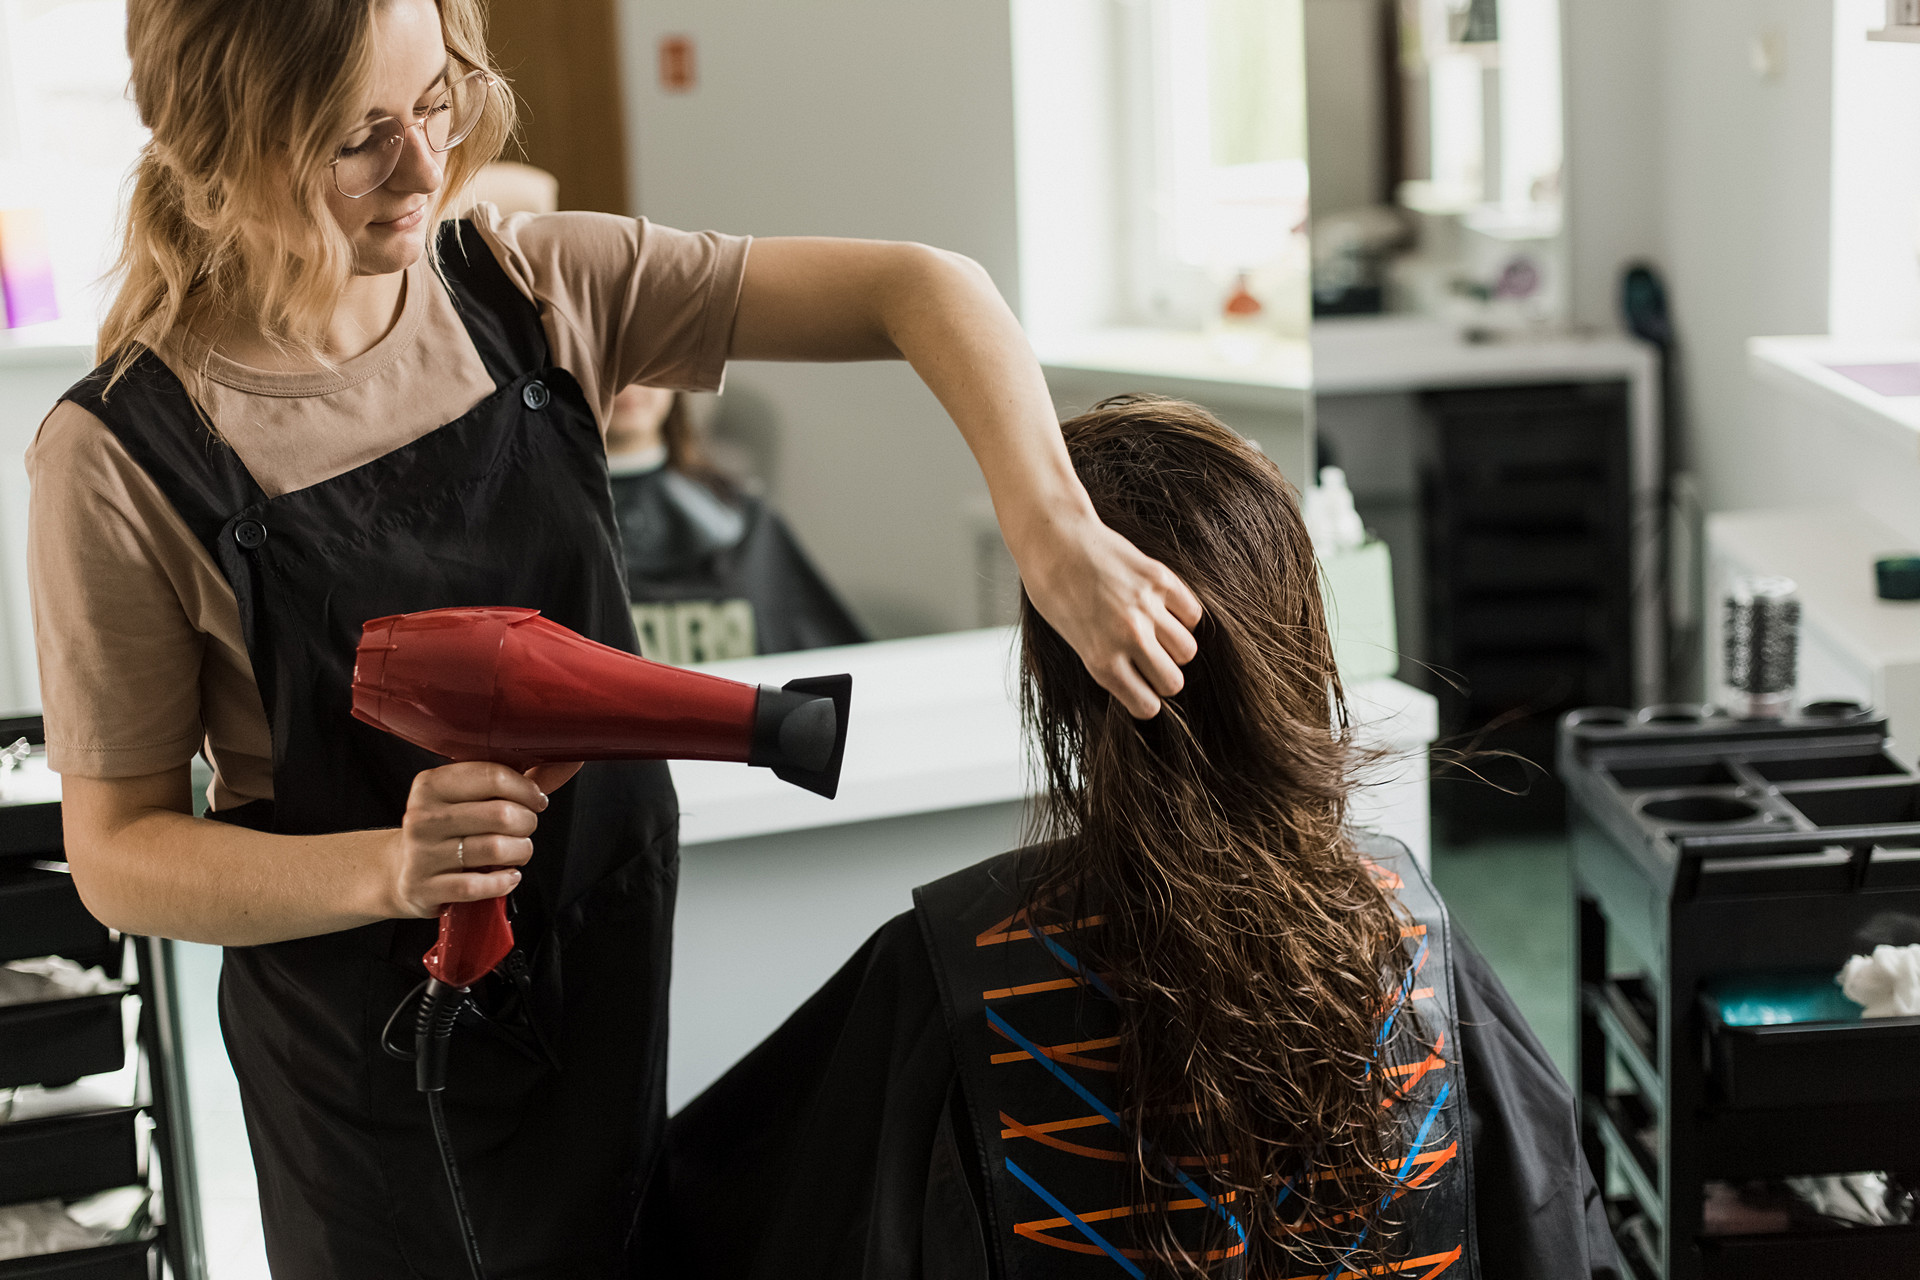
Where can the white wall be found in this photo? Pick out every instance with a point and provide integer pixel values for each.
(1681, 152)
(1611, 72)
(856, 118)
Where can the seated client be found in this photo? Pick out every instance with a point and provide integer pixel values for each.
(1199, 1027)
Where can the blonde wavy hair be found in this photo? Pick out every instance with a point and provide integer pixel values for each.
(248, 101)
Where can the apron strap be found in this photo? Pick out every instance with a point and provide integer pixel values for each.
(503, 322)
(154, 418)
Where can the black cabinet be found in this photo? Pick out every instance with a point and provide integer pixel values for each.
(1526, 507)
(56, 1042)
(1713, 855)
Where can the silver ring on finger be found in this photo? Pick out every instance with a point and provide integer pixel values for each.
(460, 853)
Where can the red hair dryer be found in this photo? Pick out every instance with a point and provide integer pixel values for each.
(511, 686)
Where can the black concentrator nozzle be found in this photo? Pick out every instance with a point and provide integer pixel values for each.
(800, 731)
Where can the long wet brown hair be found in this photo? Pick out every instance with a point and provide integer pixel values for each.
(1249, 947)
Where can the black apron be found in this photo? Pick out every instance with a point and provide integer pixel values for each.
(1036, 1049)
(555, 1094)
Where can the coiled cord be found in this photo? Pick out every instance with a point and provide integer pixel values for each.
(437, 1005)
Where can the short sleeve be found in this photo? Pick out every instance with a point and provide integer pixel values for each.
(119, 657)
(625, 300)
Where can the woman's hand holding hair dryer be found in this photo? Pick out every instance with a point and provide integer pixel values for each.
(467, 832)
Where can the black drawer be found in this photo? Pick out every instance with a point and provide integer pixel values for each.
(1515, 562)
(1855, 1251)
(66, 1156)
(56, 1042)
(30, 828)
(41, 915)
(1815, 1064)
(112, 1262)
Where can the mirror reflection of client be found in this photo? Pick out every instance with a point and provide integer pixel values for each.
(1200, 1029)
(712, 572)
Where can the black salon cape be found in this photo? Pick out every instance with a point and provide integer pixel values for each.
(686, 542)
(828, 1152)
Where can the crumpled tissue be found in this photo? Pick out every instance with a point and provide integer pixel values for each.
(50, 978)
(48, 1226)
(1886, 982)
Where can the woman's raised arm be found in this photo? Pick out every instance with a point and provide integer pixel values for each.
(1127, 616)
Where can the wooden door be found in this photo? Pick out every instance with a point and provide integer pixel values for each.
(563, 59)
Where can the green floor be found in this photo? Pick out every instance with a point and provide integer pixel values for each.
(1512, 897)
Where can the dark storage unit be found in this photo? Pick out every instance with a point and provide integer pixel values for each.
(1710, 851)
(67, 1156)
(41, 915)
(55, 1042)
(1527, 513)
(113, 1262)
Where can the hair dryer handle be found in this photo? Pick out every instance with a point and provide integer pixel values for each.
(474, 937)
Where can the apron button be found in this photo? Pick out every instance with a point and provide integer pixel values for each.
(250, 534)
(536, 395)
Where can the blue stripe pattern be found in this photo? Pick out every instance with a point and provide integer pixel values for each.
(1053, 1202)
(1109, 1115)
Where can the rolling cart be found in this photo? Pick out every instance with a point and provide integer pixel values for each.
(1710, 851)
(70, 1154)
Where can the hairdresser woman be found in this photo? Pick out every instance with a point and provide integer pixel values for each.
(298, 425)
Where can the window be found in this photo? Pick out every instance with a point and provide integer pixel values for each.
(1162, 157)
(1223, 172)
(68, 134)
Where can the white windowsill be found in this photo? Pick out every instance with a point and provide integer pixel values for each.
(1803, 366)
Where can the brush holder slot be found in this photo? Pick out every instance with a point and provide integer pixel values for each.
(1857, 806)
(1820, 768)
(1666, 777)
(1703, 810)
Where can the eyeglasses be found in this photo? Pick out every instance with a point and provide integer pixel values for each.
(367, 159)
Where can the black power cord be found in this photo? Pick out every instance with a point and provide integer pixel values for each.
(438, 1005)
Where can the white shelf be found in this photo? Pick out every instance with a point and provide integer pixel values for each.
(1807, 367)
(1363, 354)
(1896, 35)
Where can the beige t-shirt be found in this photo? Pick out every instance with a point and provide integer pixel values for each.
(142, 657)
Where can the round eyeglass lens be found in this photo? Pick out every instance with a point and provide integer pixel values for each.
(367, 159)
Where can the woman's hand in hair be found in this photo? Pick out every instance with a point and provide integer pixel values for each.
(1128, 616)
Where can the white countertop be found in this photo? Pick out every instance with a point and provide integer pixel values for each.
(1829, 554)
(1358, 354)
(935, 725)
(1806, 367)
